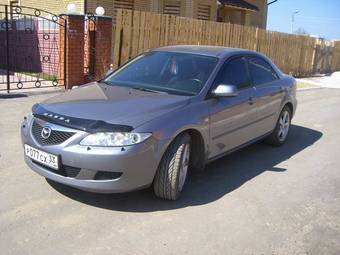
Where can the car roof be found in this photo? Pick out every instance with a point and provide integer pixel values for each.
(213, 51)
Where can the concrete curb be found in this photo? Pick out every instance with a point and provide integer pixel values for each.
(311, 88)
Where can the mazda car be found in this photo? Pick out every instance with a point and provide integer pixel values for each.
(165, 113)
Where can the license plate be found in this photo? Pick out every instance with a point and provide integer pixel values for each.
(42, 157)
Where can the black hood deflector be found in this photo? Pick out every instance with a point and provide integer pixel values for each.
(87, 125)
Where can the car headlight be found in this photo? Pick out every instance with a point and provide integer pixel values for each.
(114, 139)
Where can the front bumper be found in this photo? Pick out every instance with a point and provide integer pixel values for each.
(135, 164)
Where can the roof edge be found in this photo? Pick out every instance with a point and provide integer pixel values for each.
(242, 4)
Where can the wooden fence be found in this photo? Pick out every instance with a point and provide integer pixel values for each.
(136, 32)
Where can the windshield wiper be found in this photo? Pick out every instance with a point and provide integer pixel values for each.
(149, 90)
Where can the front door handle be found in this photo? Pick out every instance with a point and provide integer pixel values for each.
(251, 100)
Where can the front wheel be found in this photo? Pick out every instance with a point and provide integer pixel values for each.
(281, 131)
(173, 169)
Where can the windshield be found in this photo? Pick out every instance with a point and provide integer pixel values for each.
(171, 72)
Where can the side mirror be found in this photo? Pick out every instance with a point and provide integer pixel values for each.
(225, 91)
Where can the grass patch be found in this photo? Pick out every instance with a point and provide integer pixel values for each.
(41, 76)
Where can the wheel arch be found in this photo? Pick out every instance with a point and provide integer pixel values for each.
(197, 150)
(198, 147)
(290, 106)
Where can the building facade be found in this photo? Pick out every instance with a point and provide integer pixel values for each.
(199, 9)
(250, 12)
(54, 6)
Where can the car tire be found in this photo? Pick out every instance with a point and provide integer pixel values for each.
(173, 169)
(280, 134)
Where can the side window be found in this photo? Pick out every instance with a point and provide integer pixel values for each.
(234, 72)
(261, 71)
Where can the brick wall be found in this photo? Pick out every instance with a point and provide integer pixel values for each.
(143, 5)
(103, 42)
(211, 3)
(110, 6)
(259, 19)
(188, 8)
(74, 50)
(54, 6)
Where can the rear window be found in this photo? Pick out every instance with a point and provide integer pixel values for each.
(261, 71)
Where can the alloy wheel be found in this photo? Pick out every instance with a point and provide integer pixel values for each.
(284, 124)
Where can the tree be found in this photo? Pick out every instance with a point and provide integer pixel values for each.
(301, 31)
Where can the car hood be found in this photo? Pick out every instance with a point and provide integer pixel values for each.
(113, 104)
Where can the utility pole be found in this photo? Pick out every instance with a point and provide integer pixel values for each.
(293, 20)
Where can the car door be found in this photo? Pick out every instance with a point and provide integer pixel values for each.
(232, 118)
(268, 93)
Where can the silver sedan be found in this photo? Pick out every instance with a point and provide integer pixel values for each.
(165, 113)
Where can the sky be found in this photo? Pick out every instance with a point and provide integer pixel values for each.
(318, 17)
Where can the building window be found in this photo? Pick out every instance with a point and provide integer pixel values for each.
(172, 7)
(124, 4)
(203, 11)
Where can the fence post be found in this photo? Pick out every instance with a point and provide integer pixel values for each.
(71, 41)
(256, 38)
(117, 48)
(7, 49)
(315, 56)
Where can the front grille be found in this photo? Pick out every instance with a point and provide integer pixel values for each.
(66, 171)
(70, 171)
(56, 136)
(73, 172)
(101, 175)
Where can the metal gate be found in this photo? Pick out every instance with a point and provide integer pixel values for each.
(30, 56)
(89, 47)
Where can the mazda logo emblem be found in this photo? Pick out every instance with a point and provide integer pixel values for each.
(46, 132)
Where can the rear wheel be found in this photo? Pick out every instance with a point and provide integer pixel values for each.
(281, 131)
(173, 169)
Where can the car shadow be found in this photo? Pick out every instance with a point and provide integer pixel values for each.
(12, 95)
(220, 177)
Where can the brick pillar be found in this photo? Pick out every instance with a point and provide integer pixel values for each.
(71, 50)
(102, 46)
